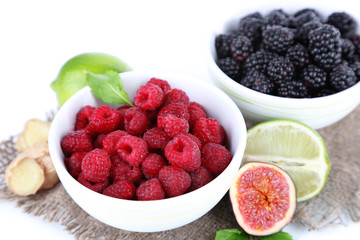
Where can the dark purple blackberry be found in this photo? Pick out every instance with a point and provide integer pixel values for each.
(325, 46)
(251, 26)
(313, 77)
(306, 10)
(292, 89)
(280, 69)
(277, 39)
(298, 54)
(303, 31)
(342, 77)
(303, 18)
(230, 67)
(222, 45)
(356, 68)
(356, 41)
(344, 22)
(347, 49)
(258, 61)
(277, 17)
(240, 48)
(258, 81)
(324, 92)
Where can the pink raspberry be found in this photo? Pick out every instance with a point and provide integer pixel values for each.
(152, 164)
(109, 142)
(163, 84)
(83, 116)
(150, 190)
(184, 153)
(156, 138)
(176, 95)
(98, 143)
(175, 181)
(122, 109)
(215, 157)
(132, 149)
(136, 121)
(172, 125)
(209, 130)
(97, 187)
(73, 163)
(123, 189)
(179, 110)
(196, 111)
(104, 119)
(76, 141)
(96, 166)
(122, 170)
(195, 139)
(200, 178)
(149, 97)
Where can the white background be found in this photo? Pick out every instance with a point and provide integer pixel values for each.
(38, 37)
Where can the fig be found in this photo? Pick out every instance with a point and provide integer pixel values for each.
(263, 198)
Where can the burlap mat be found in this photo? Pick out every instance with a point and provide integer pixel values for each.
(336, 204)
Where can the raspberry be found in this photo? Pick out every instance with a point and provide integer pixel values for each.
(209, 130)
(215, 158)
(110, 141)
(136, 121)
(122, 170)
(73, 163)
(149, 97)
(152, 164)
(123, 189)
(200, 178)
(97, 187)
(104, 119)
(196, 111)
(76, 141)
(98, 143)
(179, 110)
(83, 116)
(150, 190)
(172, 125)
(176, 95)
(175, 181)
(184, 153)
(132, 149)
(96, 166)
(163, 84)
(195, 139)
(122, 110)
(156, 138)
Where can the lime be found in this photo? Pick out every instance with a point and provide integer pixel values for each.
(72, 76)
(296, 148)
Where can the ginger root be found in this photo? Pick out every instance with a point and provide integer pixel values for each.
(35, 131)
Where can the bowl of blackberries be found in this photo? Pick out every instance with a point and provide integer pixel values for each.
(289, 63)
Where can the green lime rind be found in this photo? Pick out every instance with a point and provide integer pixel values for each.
(296, 148)
(72, 75)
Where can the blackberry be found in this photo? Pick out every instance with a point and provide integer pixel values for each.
(258, 81)
(222, 45)
(347, 49)
(303, 31)
(355, 39)
(344, 22)
(292, 89)
(277, 17)
(303, 18)
(356, 68)
(240, 48)
(306, 10)
(324, 92)
(280, 69)
(258, 61)
(325, 46)
(277, 39)
(298, 54)
(251, 26)
(314, 78)
(342, 77)
(230, 67)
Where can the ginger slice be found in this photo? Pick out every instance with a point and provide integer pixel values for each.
(35, 131)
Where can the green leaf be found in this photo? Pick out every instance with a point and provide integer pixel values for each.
(108, 87)
(231, 234)
(277, 236)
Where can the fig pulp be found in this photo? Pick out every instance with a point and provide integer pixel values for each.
(263, 198)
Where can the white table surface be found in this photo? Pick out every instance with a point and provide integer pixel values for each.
(38, 37)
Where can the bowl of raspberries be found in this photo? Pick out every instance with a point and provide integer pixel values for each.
(299, 62)
(156, 164)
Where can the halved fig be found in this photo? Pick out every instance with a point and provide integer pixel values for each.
(263, 198)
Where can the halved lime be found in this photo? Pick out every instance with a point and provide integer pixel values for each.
(294, 147)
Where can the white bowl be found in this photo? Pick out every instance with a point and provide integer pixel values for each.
(315, 112)
(159, 215)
